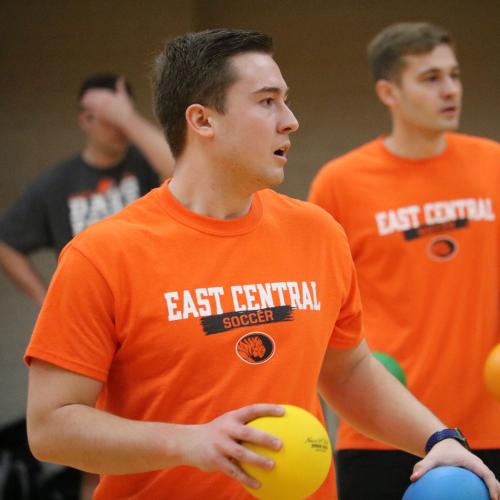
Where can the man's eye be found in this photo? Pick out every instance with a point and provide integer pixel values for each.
(268, 101)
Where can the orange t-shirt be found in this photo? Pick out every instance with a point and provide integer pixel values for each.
(184, 317)
(425, 239)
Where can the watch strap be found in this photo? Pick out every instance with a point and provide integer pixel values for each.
(446, 434)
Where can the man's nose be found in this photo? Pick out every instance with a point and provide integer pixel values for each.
(290, 124)
(451, 86)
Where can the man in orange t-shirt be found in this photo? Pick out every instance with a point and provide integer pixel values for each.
(209, 302)
(420, 208)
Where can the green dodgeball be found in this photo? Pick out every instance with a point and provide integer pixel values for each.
(392, 365)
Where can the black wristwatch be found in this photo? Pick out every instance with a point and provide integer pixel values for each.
(446, 434)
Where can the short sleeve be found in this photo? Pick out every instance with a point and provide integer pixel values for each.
(75, 329)
(348, 329)
(24, 225)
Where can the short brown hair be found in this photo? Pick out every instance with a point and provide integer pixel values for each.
(387, 50)
(195, 68)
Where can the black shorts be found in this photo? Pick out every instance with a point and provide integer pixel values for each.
(385, 474)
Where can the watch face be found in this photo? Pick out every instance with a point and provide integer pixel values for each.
(460, 437)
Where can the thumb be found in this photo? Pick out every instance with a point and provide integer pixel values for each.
(421, 468)
(120, 85)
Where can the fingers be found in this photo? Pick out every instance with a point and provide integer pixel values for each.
(222, 439)
(251, 412)
(421, 468)
(240, 456)
(248, 434)
(475, 465)
(121, 86)
(234, 471)
(487, 476)
(94, 98)
(496, 494)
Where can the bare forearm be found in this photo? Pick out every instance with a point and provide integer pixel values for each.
(19, 269)
(118, 109)
(95, 441)
(152, 143)
(64, 427)
(373, 401)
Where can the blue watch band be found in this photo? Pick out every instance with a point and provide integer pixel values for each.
(446, 434)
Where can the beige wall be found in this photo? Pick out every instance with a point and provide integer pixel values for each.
(48, 47)
(320, 46)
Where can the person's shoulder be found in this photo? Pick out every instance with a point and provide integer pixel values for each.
(136, 157)
(117, 231)
(473, 142)
(136, 162)
(55, 176)
(133, 152)
(303, 213)
(347, 163)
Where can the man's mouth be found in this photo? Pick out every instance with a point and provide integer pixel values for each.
(449, 109)
(282, 151)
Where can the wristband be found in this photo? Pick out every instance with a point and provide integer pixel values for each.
(446, 434)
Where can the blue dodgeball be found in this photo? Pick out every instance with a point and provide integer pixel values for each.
(448, 483)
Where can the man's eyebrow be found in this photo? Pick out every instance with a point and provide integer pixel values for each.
(272, 90)
(435, 69)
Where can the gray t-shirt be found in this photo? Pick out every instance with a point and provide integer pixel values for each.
(70, 197)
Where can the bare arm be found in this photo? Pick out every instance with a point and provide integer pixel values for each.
(20, 270)
(363, 392)
(117, 108)
(151, 141)
(372, 400)
(64, 427)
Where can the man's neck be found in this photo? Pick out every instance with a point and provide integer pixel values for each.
(208, 192)
(102, 159)
(415, 145)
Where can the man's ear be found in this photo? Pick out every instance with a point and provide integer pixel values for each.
(85, 119)
(199, 120)
(387, 92)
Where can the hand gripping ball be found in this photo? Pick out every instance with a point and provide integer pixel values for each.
(448, 483)
(302, 463)
(492, 372)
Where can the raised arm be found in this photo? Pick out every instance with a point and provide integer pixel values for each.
(363, 392)
(118, 109)
(19, 269)
(65, 427)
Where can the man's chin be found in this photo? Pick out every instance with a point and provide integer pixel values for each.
(117, 148)
(275, 180)
(452, 127)
(449, 125)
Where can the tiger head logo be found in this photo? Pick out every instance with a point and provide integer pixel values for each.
(442, 248)
(255, 348)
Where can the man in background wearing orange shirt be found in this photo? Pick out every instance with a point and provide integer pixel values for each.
(148, 314)
(420, 210)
